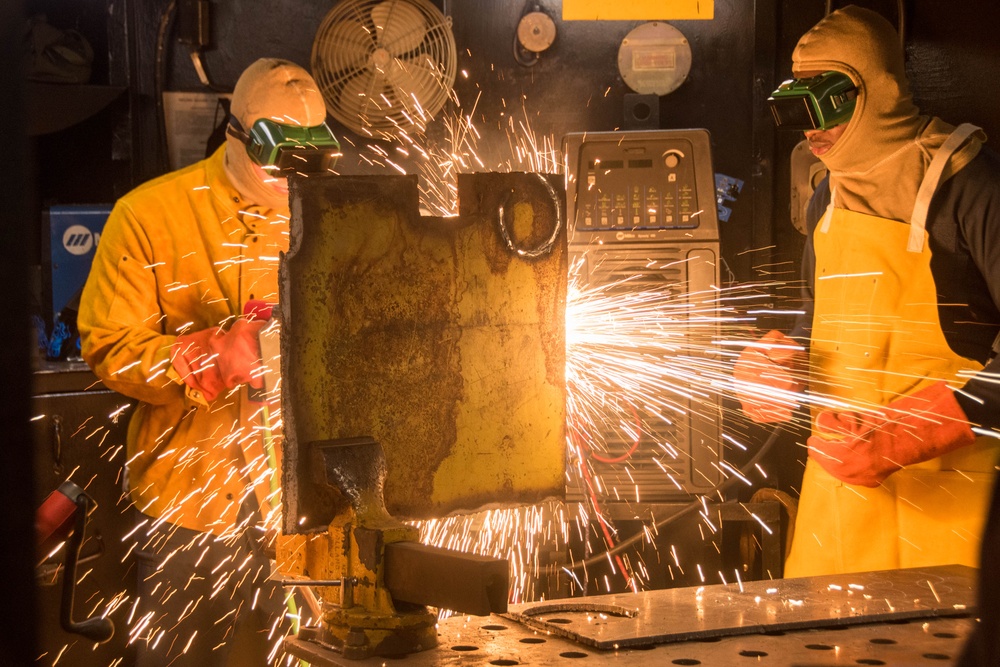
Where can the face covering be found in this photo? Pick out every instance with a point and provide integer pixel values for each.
(879, 161)
(284, 92)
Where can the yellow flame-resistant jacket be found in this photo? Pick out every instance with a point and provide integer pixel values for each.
(182, 253)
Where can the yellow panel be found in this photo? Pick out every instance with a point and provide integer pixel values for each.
(429, 335)
(637, 10)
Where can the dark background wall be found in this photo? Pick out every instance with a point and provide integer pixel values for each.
(738, 58)
(17, 611)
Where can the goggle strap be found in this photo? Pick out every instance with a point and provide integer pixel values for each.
(235, 128)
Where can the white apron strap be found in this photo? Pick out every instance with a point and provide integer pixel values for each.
(824, 225)
(918, 221)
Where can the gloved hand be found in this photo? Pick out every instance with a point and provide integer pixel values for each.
(865, 449)
(772, 365)
(213, 360)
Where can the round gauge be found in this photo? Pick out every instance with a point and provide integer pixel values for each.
(654, 58)
(536, 31)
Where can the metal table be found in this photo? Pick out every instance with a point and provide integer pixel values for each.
(897, 617)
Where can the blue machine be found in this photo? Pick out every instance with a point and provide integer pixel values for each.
(73, 233)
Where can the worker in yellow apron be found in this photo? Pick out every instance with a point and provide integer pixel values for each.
(898, 272)
(877, 341)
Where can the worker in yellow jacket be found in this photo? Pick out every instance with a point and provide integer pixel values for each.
(895, 355)
(162, 321)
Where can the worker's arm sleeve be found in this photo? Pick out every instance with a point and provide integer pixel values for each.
(975, 196)
(120, 319)
(802, 329)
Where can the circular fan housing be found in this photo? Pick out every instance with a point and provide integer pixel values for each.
(384, 65)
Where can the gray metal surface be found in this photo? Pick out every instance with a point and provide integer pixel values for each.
(430, 575)
(466, 641)
(681, 614)
(897, 617)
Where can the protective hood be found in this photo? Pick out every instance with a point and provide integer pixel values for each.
(284, 92)
(878, 163)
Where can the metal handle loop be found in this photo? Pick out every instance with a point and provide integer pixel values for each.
(546, 246)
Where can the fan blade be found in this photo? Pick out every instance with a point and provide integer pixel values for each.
(361, 98)
(399, 26)
(353, 97)
(415, 81)
(346, 45)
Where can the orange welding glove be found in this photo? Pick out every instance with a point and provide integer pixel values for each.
(864, 449)
(766, 375)
(213, 360)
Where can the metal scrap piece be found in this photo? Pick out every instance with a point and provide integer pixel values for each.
(684, 614)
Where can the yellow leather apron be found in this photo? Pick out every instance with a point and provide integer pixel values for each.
(876, 337)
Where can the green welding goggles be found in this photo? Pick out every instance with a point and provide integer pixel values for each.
(814, 103)
(287, 149)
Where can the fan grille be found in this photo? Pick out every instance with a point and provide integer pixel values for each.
(384, 65)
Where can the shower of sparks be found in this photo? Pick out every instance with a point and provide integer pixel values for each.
(641, 362)
(438, 162)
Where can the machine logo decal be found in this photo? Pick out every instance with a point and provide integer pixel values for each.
(78, 240)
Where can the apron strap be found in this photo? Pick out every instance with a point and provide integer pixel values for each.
(918, 221)
(824, 225)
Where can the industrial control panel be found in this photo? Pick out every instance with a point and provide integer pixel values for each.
(644, 244)
(640, 186)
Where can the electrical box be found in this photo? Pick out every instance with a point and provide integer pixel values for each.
(644, 241)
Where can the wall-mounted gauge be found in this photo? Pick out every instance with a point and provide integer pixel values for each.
(654, 58)
(536, 31)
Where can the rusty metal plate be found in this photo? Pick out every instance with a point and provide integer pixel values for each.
(684, 614)
(431, 335)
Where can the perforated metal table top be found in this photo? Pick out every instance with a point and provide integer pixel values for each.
(920, 617)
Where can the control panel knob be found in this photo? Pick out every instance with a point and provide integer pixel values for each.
(671, 160)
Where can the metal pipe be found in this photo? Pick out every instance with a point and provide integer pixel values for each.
(311, 582)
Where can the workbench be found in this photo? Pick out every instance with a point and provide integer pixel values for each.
(897, 617)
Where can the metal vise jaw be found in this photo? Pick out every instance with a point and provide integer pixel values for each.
(375, 578)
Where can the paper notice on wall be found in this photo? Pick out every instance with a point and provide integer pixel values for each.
(190, 119)
(637, 10)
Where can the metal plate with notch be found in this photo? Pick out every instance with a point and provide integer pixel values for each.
(442, 339)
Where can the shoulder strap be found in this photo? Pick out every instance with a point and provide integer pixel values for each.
(918, 220)
(824, 225)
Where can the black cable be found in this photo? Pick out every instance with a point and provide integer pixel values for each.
(520, 52)
(194, 28)
(695, 504)
(166, 21)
